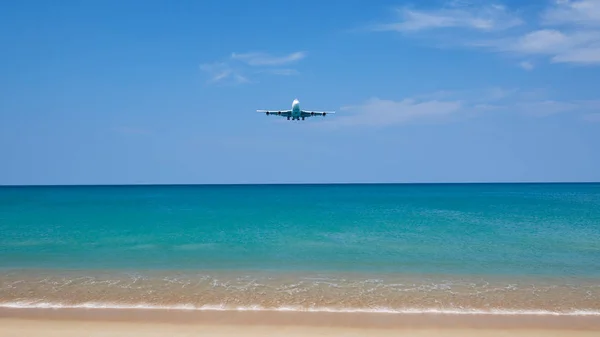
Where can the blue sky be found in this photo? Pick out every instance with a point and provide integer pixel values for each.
(118, 92)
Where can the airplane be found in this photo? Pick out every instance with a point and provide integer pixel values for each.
(295, 113)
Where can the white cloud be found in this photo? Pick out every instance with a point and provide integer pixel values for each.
(222, 72)
(563, 32)
(486, 18)
(380, 112)
(544, 108)
(564, 12)
(540, 41)
(526, 65)
(581, 47)
(440, 106)
(263, 59)
(582, 56)
(483, 95)
(238, 67)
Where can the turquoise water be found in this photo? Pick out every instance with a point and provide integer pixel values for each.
(457, 232)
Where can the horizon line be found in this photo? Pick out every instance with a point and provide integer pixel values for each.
(301, 183)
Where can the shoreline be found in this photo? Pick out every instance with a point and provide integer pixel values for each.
(361, 321)
(327, 310)
(266, 291)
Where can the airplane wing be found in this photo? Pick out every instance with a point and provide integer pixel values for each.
(308, 113)
(283, 113)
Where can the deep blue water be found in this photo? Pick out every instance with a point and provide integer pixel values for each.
(457, 229)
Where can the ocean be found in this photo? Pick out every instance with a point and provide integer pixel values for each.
(459, 248)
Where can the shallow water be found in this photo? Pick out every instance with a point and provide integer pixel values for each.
(481, 247)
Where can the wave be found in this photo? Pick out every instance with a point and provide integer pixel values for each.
(304, 293)
(191, 307)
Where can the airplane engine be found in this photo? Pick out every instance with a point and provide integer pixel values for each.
(312, 113)
(279, 112)
(324, 113)
(267, 113)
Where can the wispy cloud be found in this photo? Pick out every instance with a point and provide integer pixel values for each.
(483, 18)
(544, 108)
(222, 72)
(449, 105)
(238, 68)
(563, 32)
(263, 59)
(565, 12)
(580, 46)
(480, 96)
(537, 104)
(384, 112)
(526, 65)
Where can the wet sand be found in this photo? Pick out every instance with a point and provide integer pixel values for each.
(125, 322)
(326, 292)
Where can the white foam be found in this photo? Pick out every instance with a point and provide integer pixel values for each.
(191, 307)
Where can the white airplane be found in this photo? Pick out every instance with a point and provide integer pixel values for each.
(295, 113)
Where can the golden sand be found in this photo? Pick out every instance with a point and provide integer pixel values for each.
(111, 322)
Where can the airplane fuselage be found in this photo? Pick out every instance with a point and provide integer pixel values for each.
(296, 112)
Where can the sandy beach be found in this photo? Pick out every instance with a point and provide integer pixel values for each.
(109, 322)
(15, 327)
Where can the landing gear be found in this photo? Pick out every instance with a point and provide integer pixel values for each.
(302, 118)
(288, 118)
